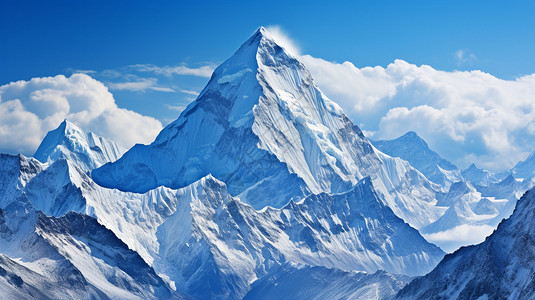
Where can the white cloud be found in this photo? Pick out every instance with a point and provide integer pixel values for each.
(452, 239)
(29, 109)
(169, 71)
(282, 39)
(465, 116)
(194, 93)
(140, 85)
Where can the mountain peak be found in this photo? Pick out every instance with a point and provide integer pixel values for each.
(266, 99)
(473, 167)
(70, 142)
(411, 134)
(261, 122)
(415, 138)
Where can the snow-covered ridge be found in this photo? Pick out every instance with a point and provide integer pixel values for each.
(173, 230)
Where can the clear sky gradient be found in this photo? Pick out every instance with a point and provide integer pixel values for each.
(115, 42)
(42, 38)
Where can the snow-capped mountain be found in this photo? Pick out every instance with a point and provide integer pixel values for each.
(290, 136)
(415, 150)
(87, 150)
(500, 268)
(221, 233)
(201, 229)
(474, 209)
(473, 200)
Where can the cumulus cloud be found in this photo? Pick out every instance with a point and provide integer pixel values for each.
(468, 116)
(169, 71)
(29, 109)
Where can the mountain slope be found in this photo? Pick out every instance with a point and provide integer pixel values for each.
(290, 136)
(499, 268)
(415, 150)
(87, 150)
(350, 231)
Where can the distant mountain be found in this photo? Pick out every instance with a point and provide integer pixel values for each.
(415, 150)
(87, 150)
(482, 177)
(525, 169)
(500, 268)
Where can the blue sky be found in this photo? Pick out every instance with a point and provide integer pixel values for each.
(118, 42)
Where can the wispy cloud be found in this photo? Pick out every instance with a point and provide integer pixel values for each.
(178, 108)
(169, 71)
(464, 57)
(194, 93)
(140, 85)
(81, 71)
(283, 39)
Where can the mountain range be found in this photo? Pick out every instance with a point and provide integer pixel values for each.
(261, 188)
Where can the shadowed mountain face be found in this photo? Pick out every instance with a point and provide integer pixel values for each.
(499, 268)
(70, 257)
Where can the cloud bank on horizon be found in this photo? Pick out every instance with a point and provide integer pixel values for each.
(464, 116)
(29, 109)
